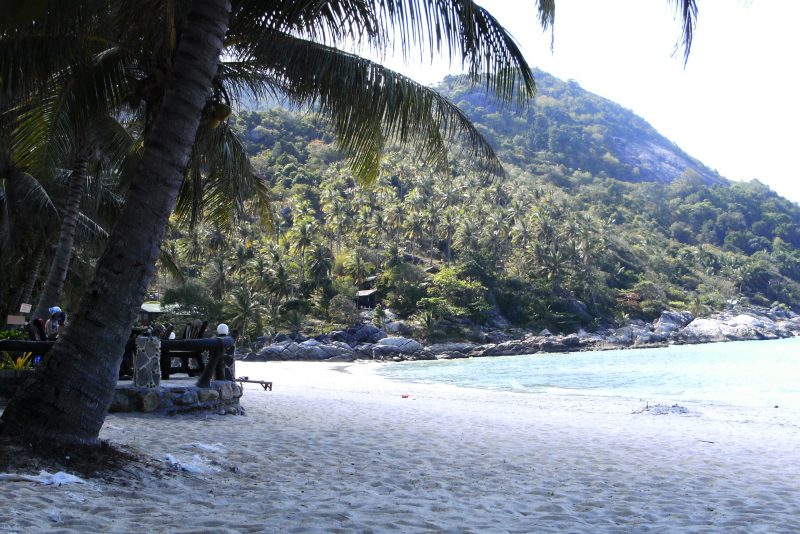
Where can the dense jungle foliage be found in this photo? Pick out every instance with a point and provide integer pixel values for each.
(598, 220)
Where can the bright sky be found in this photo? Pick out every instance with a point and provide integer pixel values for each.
(736, 104)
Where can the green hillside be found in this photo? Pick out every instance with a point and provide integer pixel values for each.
(568, 126)
(598, 219)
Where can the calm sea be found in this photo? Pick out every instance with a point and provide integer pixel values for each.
(745, 373)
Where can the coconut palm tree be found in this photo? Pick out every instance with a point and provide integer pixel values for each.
(67, 400)
(303, 239)
(244, 310)
(321, 264)
(100, 147)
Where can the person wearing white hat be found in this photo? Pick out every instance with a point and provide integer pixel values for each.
(222, 329)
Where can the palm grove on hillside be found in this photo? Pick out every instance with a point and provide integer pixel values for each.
(158, 64)
(548, 246)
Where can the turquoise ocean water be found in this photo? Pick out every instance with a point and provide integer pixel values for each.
(745, 373)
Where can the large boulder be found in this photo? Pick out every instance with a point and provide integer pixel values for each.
(628, 334)
(671, 321)
(344, 337)
(705, 331)
(397, 328)
(509, 348)
(403, 345)
(364, 350)
(309, 350)
(366, 334)
(560, 344)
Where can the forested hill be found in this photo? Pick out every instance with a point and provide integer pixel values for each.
(587, 227)
(566, 125)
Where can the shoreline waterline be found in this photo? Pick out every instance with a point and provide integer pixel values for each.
(742, 373)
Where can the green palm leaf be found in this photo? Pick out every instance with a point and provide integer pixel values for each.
(369, 104)
(220, 180)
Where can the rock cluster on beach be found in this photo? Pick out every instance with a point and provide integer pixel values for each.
(221, 396)
(737, 323)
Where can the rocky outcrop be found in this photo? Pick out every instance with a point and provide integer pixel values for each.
(309, 350)
(739, 324)
(533, 344)
(672, 327)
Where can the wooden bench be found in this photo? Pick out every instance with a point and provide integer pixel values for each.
(246, 380)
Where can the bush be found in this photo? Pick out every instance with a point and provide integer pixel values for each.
(461, 295)
(342, 310)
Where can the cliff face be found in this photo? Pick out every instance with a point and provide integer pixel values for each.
(569, 126)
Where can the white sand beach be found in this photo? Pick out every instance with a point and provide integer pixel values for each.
(336, 448)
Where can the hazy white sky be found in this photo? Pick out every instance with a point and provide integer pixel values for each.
(736, 104)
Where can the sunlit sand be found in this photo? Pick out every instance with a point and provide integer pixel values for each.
(336, 448)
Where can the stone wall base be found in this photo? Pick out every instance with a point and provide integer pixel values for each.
(221, 397)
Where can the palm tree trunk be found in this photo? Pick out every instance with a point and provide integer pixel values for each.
(51, 292)
(11, 176)
(67, 400)
(33, 274)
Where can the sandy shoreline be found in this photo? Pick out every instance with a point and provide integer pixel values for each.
(335, 448)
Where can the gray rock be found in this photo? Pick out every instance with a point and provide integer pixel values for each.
(397, 328)
(385, 352)
(560, 344)
(440, 348)
(206, 395)
(705, 331)
(339, 335)
(424, 355)
(403, 345)
(496, 319)
(187, 398)
(579, 309)
(366, 333)
(669, 321)
(149, 401)
(646, 338)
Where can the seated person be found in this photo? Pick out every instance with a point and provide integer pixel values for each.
(54, 324)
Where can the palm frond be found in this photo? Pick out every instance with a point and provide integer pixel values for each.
(220, 180)
(368, 103)
(687, 11)
(34, 50)
(460, 29)
(53, 127)
(169, 263)
(89, 230)
(30, 201)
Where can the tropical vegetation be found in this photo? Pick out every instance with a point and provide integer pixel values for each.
(169, 72)
(581, 232)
